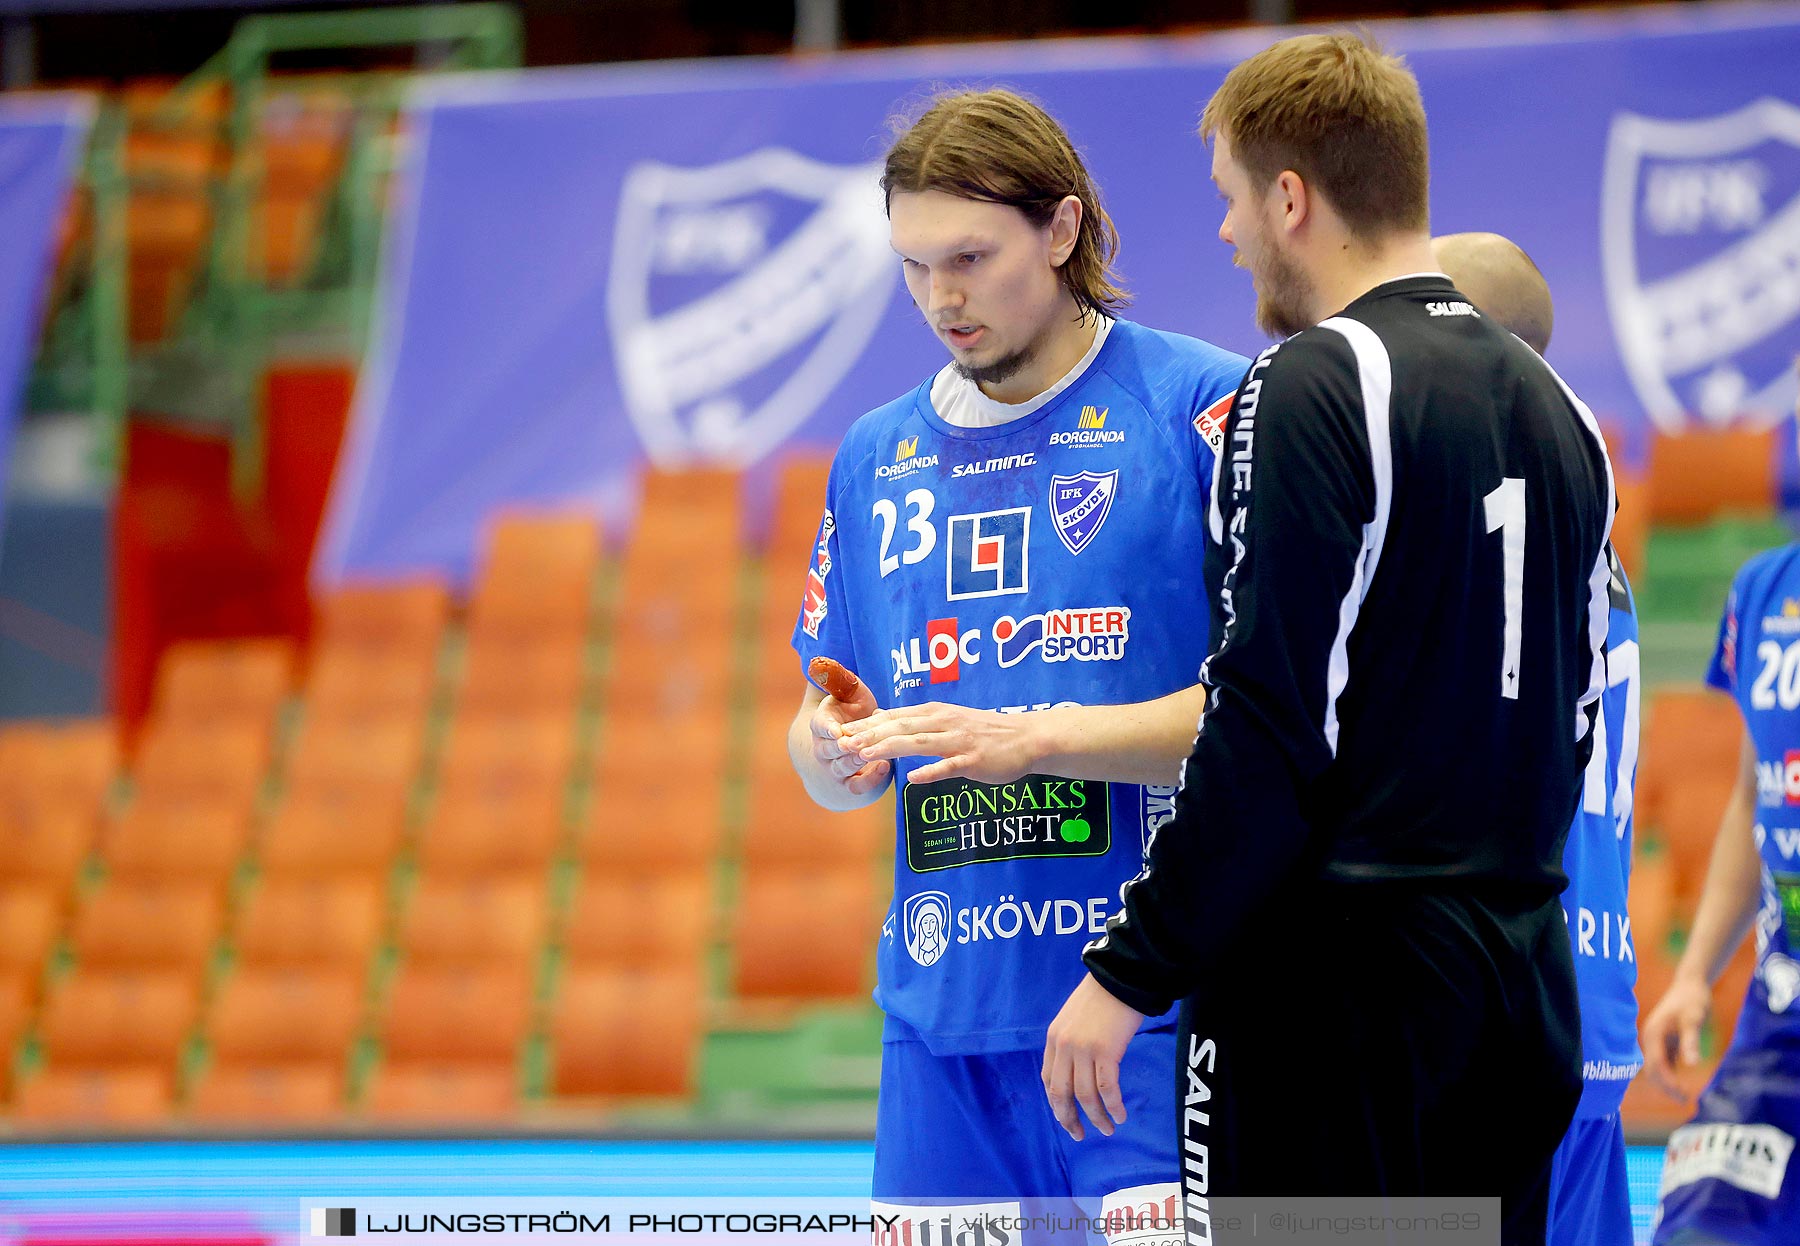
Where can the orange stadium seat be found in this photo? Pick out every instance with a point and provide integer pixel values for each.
(497, 920)
(45, 842)
(511, 612)
(627, 1032)
(226, 762)
(165, 924)
(170, 157)
(536, 576)
(672, 631)
(196, 840)
(269, 1016)
(643, 921)
(1652, 897)
(72, 760)
(30, 916)
(800, 496)
(645, 685)
(310, 921)
(1687, 821)
(1631, 523)
(667, 820)
(541, 545)
(165, 231)
(16, 993)
(690, 490)
(520, 751)
(694, 589)
(440, 1092)
(356, 683)
(505, 830)
(96, 1097)
(407, 616)
(289, 236)
(803, 934)
(638, 744)
(119, 1017)
(380, 750)
(1687, 733)
(785, 826)
(1656, 971)
(213, 680)
(523, 679)
(1703, 473)
(269, 1094)
(319, 836)
(454, 1014)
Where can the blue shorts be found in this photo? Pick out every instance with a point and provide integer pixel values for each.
(1590, 1198)
(966, 1132)
(1730, 1175)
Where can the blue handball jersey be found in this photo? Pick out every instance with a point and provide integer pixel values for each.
(1052, 560)
(1758, 663)
(1597, 859)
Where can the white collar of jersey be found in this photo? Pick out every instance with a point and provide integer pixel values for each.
(961, 404)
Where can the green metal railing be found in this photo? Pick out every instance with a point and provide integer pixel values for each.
(207, 368)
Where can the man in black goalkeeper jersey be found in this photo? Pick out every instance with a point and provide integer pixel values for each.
(1357, 899)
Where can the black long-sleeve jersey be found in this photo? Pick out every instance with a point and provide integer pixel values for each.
(1409, 603)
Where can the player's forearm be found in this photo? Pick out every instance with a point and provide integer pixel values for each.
(1144, 742)
(1732, 892)
(816, 776)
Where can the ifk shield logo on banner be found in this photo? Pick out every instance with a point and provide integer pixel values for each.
(1700, 243)
(1079, 504)
(740, 295)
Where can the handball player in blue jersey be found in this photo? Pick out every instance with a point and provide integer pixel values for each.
(1008, 561)
(1729, 1175)
(1590, 1199)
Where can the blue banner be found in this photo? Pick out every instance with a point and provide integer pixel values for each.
(591, 268)
(41, 141)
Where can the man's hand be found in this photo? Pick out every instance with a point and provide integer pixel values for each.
(1672, 1031)
(830, 717)
(973, 744)
(1082, 1054)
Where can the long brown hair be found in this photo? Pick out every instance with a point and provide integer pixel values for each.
(1000, 147)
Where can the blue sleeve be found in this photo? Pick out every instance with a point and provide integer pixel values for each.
(1217, 391)
(1722, 672)
(823, 628)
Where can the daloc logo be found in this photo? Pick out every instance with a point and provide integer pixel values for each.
(1700, 242)
(740, 295)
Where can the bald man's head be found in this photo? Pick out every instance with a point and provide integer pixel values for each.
(1501, 280)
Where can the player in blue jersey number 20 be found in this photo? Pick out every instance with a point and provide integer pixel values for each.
(1009, 559)
(1729, 1175)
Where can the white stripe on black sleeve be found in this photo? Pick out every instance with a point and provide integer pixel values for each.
(1599, 609)
(1376, 374)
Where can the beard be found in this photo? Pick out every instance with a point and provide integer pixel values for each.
(1002, 369)
(1282, 294)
